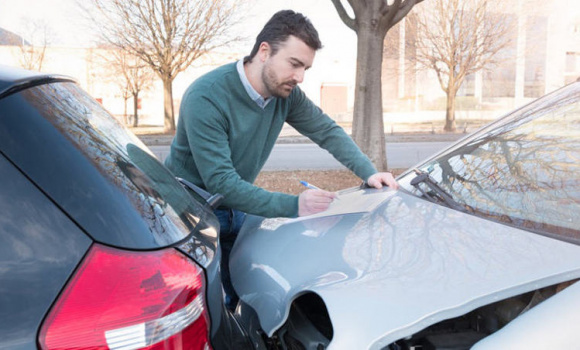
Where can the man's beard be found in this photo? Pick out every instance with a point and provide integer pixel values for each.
(274, 87)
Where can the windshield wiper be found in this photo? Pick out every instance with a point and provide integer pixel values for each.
(424, 178)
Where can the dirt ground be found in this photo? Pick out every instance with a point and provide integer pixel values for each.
(289, 181)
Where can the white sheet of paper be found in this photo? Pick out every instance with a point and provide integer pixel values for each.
(350, 203)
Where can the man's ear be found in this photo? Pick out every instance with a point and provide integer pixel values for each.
(264, 51)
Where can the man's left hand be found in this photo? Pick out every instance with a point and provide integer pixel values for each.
(379, 179)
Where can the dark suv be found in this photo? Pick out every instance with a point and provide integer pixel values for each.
(100, 246)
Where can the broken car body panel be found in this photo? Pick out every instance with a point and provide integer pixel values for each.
(390, 271)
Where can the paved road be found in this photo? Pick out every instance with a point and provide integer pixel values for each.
(311, 157)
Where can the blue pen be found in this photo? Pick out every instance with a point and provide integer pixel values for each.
(307, 185)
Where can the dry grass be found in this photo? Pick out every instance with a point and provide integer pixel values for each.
(289, 181)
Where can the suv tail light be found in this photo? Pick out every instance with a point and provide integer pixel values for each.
(130, 300)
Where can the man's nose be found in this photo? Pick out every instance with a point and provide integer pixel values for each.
(299, 75)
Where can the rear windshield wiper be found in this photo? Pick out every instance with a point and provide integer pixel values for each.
(440, 194)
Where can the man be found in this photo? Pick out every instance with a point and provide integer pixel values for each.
(231, 117)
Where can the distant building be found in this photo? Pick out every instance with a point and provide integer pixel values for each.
(552, 29)
(92, 69)
(544, 56)
(8, 38)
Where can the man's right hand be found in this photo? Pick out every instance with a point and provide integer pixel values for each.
(314, 201)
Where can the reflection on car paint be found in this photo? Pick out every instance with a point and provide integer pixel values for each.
(119, 157)
(417, 260)
(524, 174)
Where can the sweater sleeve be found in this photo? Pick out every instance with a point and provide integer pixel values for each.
(207, 133)
(310, 121)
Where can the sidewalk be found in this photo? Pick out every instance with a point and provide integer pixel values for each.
(421, 132)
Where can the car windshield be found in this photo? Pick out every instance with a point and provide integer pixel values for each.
(523, 170)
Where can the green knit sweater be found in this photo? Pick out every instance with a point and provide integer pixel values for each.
(224, 138)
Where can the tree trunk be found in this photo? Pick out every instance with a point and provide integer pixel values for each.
(450, 112)
(169, 116)
(368, 127)
(135, 110)
(125, 116)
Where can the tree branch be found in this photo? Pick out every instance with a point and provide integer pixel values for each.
(403, 10)
(350, 22)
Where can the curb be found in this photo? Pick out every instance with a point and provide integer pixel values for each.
(165, 140)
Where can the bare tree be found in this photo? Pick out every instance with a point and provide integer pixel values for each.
(133, 76)
(126, 95)
(372, 19)
(35, 39)
(456, 38)
(168, 35)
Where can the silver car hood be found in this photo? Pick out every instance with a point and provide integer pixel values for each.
(393, 270)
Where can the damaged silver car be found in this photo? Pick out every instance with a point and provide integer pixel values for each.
(479, 248)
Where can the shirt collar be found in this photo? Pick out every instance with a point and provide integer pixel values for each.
(254, 95)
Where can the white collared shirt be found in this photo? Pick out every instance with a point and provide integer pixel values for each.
(254, 95)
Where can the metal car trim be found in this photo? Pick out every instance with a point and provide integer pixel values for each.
(26, 83)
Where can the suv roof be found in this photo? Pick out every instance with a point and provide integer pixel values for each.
(15, 79)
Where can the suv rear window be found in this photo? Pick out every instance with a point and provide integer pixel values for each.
(139, 180)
